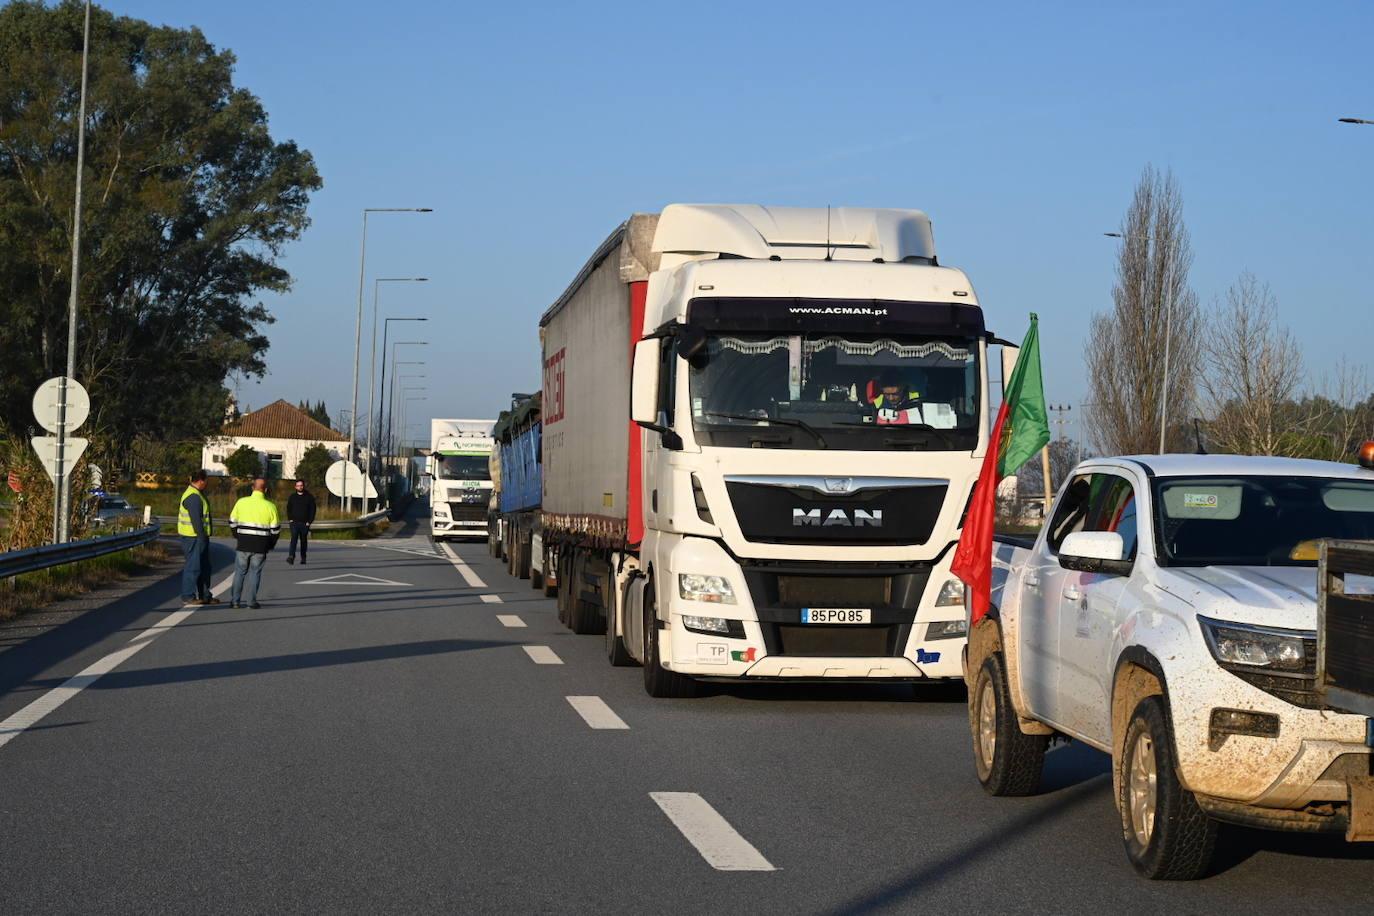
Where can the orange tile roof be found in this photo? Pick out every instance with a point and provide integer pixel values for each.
(283, 420)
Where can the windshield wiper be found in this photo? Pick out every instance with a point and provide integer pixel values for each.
(944, 434)
(782, 421)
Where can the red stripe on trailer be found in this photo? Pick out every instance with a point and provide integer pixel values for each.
(634, 489)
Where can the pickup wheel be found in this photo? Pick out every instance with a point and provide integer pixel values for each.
(1008, 761)
(1168, 837)
(659, 681)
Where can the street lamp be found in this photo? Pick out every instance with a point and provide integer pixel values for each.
(1168, 333)
(358, 328)
(392, 428)
(385, 403)
(1354, 121)
(372, 353)
(409, 462)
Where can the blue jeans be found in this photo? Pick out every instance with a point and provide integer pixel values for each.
(247, 572)
(195, 576)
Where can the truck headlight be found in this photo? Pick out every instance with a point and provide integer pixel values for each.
(713, 589)
(951, 594)
(1242, 645)
(440, 509)
(947, 629)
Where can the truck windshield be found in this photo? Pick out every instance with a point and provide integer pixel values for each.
(826, 391)
(1257, 521)
(461, 467)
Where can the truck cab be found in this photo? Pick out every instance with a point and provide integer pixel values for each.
(460, 473)
(812, 387)
(1167, 614)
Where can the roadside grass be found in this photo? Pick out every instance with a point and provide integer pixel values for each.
(35, 591)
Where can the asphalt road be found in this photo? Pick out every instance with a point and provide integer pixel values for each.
(377, 738)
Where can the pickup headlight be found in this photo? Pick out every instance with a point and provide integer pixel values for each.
(1248, 647)
(713, 589)
(951, 594)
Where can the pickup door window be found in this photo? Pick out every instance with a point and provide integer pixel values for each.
(1088, 614)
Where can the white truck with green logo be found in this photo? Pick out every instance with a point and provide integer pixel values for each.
(459, 451)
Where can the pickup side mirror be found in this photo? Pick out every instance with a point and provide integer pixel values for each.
(1095, 552)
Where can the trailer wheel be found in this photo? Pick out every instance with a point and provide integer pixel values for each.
(586, 618)
(536, 578)
(551, 591)
(1007, 760)
(522, 564)
(1168, 837)
(564, 569)
(659, 681)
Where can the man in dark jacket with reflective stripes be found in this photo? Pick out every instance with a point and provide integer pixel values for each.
(256, 528)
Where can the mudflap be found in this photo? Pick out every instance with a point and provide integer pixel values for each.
(1361, 826)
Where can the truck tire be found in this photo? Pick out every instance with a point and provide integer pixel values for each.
(522, 565)
(1007, 760)
(659, 682)
(536, 579)
(616, 653)
(1167, 836)
(563, 590)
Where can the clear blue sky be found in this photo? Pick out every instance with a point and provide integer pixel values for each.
(533, 129)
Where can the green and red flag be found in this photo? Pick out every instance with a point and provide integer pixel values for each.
(1021, 430)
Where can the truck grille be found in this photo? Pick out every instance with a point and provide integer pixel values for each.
(463, 512)
(778, 513)
(839, 642)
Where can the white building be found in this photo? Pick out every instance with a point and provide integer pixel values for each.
(280, 433)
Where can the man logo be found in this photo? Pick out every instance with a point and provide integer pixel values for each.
(862, 518)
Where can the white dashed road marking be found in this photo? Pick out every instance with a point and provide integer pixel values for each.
(30, 715)
(492, 599)
(542, 655)
(596, 713)
(464, 570)
(510, 620)
(719, 844)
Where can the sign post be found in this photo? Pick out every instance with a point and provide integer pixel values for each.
(60, 405)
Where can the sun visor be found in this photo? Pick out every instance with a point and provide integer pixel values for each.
(807, 316)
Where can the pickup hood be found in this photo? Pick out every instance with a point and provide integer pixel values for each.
(1273, 596)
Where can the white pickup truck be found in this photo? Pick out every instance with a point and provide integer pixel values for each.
(1167, 615)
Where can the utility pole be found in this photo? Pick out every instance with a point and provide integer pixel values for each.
(62, 482)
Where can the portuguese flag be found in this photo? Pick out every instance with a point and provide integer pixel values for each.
(1021, 430)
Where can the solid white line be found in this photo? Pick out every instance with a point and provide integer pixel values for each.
(492, 599)
(542, 655)
(719, 844)
(464, 570)
(31, 714)
(596, 713)
(510, 620)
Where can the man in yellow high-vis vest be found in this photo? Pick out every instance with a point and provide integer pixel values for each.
(193, 525)
(256, 527)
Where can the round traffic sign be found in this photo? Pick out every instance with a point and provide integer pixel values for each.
(47, 404)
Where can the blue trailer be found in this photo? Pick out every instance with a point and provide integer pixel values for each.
(516, 525)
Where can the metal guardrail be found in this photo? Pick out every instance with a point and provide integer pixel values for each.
(33, 559)
(324, 524)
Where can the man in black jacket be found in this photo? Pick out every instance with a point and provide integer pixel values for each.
(300, 512)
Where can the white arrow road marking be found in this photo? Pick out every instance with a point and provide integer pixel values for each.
(510, 620)
(31, 714)
(353, 579)
(596, 713)
(464, 570)
(542, 655)
(492, 599)
(719, 844)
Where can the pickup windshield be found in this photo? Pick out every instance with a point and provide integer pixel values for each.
(461, 467)
(847, 391)
(1257, 521)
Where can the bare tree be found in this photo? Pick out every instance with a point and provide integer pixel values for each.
(1127, 346)
(1253, 369)
(1064, 456)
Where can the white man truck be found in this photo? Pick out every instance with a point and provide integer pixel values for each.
(459, 452)
(761, 428)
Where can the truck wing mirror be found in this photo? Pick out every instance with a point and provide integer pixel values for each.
(644, 382)
(1095, 552)
(691, 345)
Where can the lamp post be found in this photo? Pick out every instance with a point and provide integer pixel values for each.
(358, 327)
(62, 482)
(409, 463)
(1168, 334)
(386, 406)
(392, 428)
(1354, 121)
(372, 353)
(386, 328)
